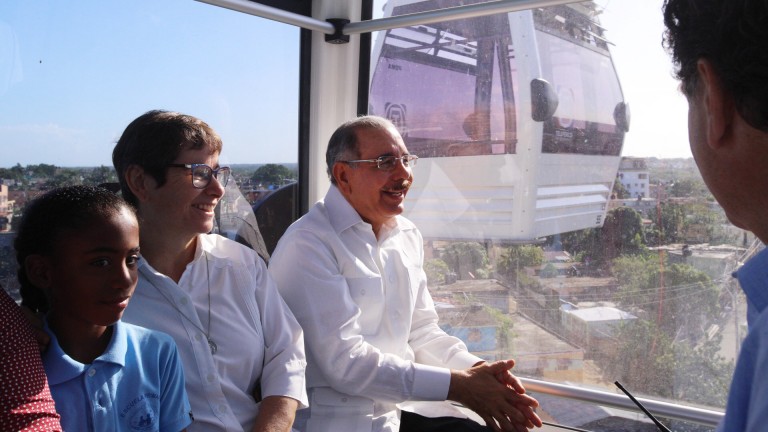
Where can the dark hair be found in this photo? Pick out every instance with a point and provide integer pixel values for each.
(733, 36)
(343, 142)
(44, 219)
(154, 140)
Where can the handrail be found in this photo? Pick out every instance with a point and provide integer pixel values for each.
(449, 14)
(658, 408)
(427, 17)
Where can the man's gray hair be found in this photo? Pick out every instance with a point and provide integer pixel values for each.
(343, 143)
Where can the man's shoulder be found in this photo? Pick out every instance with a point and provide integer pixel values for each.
(315, 223)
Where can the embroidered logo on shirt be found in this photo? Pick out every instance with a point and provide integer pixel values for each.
(140, 413)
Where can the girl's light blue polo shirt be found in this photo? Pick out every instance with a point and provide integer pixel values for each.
(137, 384)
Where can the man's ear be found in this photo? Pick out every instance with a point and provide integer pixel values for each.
(340, 172)
(136, 179)
(37, 268)
(717, 103)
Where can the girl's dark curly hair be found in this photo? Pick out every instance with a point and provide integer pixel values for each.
(71, 208)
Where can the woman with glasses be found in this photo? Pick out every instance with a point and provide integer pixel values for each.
(241, 348)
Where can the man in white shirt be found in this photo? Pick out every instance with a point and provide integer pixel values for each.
(351, 271)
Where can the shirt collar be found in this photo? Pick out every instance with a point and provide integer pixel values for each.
(340, 212)
(753, 278)
(60, 367)
(343, 216)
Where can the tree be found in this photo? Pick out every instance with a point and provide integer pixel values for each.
(64, 177)
(549, 271)
(101, 174)
(619, 191)
(689, 187)
(272, 174)
(466, 259)
(515, 258)
(670, 223)
(42, 170)
(622, 233)
(436, 269)
(681, 371)
(681, 299)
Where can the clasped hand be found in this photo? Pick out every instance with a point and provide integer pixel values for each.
(490, 390)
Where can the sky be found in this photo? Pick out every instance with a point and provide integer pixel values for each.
(70, 81)
(659, 111)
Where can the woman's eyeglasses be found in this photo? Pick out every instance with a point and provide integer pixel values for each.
(202, 174)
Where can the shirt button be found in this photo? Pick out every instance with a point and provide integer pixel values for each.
(362, 292)
(91, 372)
(391, 278)
(222, 408)
(344, 400)
(198, 337)
(211, 378)
(184, 301)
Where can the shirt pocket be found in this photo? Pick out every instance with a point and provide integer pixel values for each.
(368, 295)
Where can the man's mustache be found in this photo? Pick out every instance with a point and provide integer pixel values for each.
(401, 186)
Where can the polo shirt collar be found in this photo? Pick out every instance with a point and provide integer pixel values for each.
(753, 277)
(60, 367)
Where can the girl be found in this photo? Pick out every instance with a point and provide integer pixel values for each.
(78, 252)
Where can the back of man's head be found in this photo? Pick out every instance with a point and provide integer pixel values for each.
(733, 36)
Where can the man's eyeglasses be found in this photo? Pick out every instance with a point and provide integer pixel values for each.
(202, 174)
(387, 163)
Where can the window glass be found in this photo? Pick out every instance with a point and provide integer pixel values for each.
(588, 249)
(464, 66)
(74, 74)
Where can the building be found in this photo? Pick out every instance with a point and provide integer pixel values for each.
(591, 327)
(633, 175)
(483, 314)
(6, 208)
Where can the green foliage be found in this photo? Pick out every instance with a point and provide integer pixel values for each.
(681, 371)
(670, 222)
(63, 177)
(688, 187)
(273, 174)
(549, 271)
(505, 324)
(682, 297)
(515, 258)
(14, 173)
(619, 191)
(41, 170)
(621, 234)
(101, 174)
(464, 258)
(436, 269)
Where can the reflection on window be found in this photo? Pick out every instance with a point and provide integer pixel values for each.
(450, 87)
(605, 268)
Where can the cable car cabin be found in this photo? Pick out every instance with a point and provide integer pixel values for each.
(518, 119)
